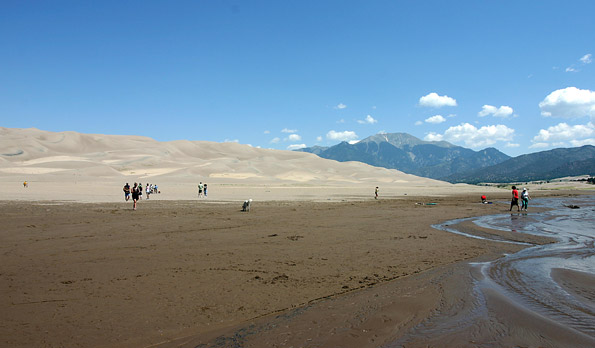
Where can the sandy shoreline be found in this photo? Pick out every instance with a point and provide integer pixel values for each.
(187, 272)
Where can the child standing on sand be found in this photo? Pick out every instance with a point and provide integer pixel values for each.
(126, 192)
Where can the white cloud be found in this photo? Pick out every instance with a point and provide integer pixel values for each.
(319, 138)
(341, 106)
(577, 143)
(539, 145)
(584, 60)
(563, 132)
(569, 102)
(512, 145)
(503, 111)
(341, 121)
(267, 132)
(353, 142)
(418, 123)
(296, 146)
(231, 141)
(341, 136)
(368, 120)
(286, 130)
(275, 140)
(294, 137)
(472, 136)
(436, 101)
(433, 137)
(435, 119)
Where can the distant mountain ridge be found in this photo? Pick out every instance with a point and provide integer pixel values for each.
(402, 151)
(545, 165)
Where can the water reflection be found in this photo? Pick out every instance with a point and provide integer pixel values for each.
(551, 281)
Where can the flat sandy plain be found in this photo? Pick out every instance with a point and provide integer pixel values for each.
(186, 273)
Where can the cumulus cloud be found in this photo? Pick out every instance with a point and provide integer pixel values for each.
(341, 106)
(472, 136)
(563, 132)
(503, 111)
(368, 120)
(287, 130)
(582, 142)
(294, 137)
(539, 145)
(436, 101)
(434, 137)
(435, 119)
(341, 136)
(296, 146)
(569, 102)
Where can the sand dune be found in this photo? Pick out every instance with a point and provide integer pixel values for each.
(49, 160)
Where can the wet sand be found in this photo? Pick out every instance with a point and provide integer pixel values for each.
(190, 273)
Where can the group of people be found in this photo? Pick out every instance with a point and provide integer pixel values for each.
(524, 199)
(202, 190)
(137, 192)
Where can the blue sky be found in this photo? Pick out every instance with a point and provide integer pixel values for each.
(515, 75)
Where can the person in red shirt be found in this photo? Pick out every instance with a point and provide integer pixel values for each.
(515, 199)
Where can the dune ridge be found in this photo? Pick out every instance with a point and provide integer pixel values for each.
(68, 158)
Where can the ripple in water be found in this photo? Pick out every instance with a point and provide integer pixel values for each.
(553, 281)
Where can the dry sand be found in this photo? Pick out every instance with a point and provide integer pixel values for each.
(355, 273)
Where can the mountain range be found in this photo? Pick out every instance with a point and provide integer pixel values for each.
(445, 161)
(545, 165)
(431, 159)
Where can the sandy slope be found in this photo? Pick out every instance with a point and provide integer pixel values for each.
(64, 165)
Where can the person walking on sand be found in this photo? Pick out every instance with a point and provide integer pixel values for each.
(525, 199)
(136, 190)
(25, 184)
(140, 191)
(205, 189)
(376, 193)
(200, 188)
(515, 199)
(126, 190)
(148, 192)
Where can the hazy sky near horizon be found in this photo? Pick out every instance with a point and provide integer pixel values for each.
(515, 75)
